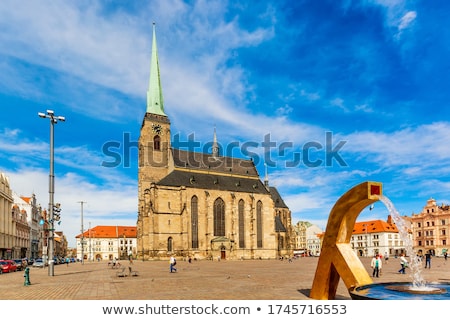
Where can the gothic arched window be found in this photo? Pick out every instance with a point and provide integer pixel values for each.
(194, 221)
(241, 224)
(219, 218)
(259, 225)
(281, 243)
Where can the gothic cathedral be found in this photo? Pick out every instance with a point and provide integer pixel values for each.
(203, 206)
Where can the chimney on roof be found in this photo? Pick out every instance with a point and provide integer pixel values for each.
(389, 219)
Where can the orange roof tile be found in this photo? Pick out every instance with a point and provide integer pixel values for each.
(110, 232)
(26, 199)
(374, 226)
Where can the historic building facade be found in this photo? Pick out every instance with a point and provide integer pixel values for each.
(307, 239)
(377, 237)
(431, 228)
(106, 243)
(7, 234)
(29, 239)
(202, 205)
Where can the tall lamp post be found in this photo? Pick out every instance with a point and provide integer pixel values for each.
(82, 232)
(365, 225)
(51, 187)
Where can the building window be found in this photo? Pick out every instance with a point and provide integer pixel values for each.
(259, 226)
(219, 218)
(156, 143)
(241, 224)
(194, 221)
(170, 244)
(281, 243)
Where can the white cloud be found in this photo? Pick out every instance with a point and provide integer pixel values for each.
(406, 20)
(339, 102)
(404, 147)
(398, 16)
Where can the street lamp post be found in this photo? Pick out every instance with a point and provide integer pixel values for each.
(51, 189)
(82, 232)
(365, 225)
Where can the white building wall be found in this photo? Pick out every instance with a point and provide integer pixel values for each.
(105, 249)
(312, 240)
(368, 245)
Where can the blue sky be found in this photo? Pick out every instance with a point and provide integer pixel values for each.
(345, 91)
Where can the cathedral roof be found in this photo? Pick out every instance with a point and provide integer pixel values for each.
(279, 226)
(204, 161)
(205, 171)
(277, 199)
(210, 181)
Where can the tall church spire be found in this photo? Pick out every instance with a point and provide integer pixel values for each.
(155, 103)
(266, 178)
(215, 146)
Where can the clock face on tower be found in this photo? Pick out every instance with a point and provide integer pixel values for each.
(156, 128)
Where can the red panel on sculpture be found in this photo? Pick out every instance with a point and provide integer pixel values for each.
(374, 189)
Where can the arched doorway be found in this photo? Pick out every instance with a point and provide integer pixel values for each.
(223, 252)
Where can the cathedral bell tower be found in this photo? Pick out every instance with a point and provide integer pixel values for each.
(154, 140)
(154, 154)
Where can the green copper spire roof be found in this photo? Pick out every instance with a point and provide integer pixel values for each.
(155, 103)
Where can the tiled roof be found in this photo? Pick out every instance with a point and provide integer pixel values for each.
(26, 199)
(211, 181)
(374, 226)
(110, 232)
(279, 226)
(277, 200)
(205, 161)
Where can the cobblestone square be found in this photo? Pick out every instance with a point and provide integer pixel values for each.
(199, 280)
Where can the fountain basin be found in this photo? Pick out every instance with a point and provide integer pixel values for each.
(402, 291)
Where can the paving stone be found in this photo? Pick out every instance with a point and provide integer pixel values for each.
(199, 280)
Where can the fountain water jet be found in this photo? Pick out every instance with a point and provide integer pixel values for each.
(418, 282)
(418, 286)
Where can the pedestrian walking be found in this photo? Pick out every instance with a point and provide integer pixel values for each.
(403, 264)
(173, 262)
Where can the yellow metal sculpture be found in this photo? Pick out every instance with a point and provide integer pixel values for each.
(337, 258)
